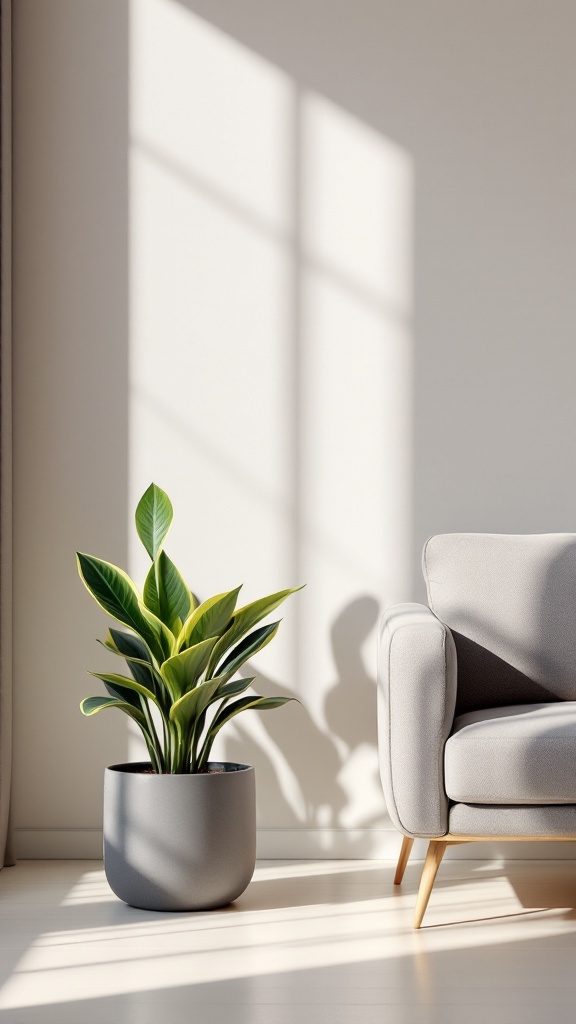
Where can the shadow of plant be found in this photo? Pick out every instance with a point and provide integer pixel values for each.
(316, 754)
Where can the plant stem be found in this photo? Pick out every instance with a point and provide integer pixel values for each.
(153, 754)
(204, 753)
(173, 750)
(166, 745)
(155, 748)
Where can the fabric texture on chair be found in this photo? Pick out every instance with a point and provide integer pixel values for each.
(524, 754)
(509, 602)
(485, 820)
(477, 697)
(416, 701)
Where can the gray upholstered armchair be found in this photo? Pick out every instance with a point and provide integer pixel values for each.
(477, 697)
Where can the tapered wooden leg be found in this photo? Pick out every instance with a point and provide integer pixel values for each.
(433, 860)
(407, 845)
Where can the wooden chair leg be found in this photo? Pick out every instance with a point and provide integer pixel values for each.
(433, 860)
(407, 845)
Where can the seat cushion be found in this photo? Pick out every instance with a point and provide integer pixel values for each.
(520, 754)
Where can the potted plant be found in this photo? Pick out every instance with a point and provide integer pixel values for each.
(179, 829)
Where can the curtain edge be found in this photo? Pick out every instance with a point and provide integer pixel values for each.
(6, 835)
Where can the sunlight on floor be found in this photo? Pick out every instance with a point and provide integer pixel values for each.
(302, 932)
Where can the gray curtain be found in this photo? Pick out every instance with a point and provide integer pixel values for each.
(6, 847)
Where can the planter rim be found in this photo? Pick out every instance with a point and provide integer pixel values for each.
(136, 768)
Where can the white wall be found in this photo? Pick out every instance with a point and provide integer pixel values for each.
(310, 267)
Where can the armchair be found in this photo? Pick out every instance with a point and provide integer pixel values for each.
(477, 697)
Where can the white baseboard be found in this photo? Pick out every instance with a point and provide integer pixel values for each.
(58, 843)
(384, 844)
(327, 844)
(293, 844)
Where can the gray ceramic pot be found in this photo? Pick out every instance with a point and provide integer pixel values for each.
(179, 842)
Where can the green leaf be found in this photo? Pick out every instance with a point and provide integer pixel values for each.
(182, 672)
(127, 646)
(227, 690)
(123, 694)
(190, 706)
(245, 704)
(91, 705)
(150, 592)
(164, 638)
(244, 619)
(247, 648)
(137, 657)
(166, 594)
(116, 594)
(153, 518)
(208, 619)
(227, 712)
(125, 683)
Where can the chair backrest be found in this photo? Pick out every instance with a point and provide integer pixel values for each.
(510, 602)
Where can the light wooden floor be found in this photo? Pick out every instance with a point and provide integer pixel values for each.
(308, 943)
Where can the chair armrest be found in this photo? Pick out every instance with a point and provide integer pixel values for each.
(416, 702)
